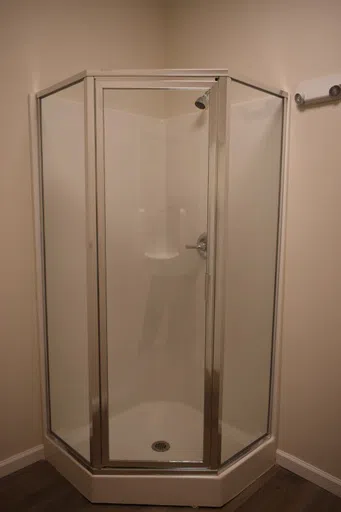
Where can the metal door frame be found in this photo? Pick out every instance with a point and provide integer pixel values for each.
(217, 98)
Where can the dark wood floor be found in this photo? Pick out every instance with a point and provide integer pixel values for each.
(40, 488)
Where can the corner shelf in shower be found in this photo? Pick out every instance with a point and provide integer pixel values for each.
(162, 255)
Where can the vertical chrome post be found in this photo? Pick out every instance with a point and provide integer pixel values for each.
(210, 271)
(215, 268)
(223, 144)
(102, 280)
(36, 166)
(279, 286)
(92, 273)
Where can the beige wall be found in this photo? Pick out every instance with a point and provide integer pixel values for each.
(42, 42)
(282, 43)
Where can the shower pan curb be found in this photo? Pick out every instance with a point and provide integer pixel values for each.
(175, 489)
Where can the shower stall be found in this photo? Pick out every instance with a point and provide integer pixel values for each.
(158, 205)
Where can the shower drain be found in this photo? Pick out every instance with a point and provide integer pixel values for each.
(160, 446)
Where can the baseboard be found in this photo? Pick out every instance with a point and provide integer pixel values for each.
(309, 472)
(21, 460)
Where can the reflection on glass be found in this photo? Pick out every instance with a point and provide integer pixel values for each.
(156, 153)
(251, 230)
(62, 116)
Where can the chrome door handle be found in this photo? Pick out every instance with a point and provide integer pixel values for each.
(200, 246)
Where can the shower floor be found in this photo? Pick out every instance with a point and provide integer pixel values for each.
(133, 431)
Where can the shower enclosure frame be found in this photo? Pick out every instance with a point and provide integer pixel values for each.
(63, 456)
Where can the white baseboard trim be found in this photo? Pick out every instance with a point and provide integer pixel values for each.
(21, 460)
(309, 472)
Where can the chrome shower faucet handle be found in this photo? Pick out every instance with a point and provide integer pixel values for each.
(200, 246)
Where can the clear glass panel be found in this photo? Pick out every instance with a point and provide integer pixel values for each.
(62, 118)
(156, 172)
(252, 226)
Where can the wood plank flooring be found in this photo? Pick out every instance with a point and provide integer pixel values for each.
(40, 487)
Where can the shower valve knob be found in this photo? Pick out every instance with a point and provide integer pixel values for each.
(200, 246)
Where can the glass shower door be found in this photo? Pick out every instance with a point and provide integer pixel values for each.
(156, 166)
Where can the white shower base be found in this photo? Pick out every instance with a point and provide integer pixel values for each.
(133, 431)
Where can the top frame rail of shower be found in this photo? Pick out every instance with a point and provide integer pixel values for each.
(159, 74)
